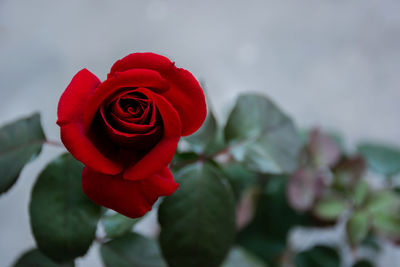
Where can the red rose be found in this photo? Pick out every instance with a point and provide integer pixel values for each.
(125, 130)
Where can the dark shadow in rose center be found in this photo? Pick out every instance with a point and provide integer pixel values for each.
(127, 126)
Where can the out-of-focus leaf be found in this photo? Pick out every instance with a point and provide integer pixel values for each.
(371, 242)
(132, 250)
(303, 187)
(387, 223)
(181, 159)
(35, 258)
(20, 142)
(330, 208)
(382, 200)
(204, 137)
(262, 136)
(239, 177)
(63, 219)
(239, 257)
(117, 224)
(363, 263)
(246, 206)
(384, 207)
(323, 150)
(357, 227)
(266, 235)
(381, 158)
(318, 256)
(360, 193)
(198, 221)
(104, 210)
(396, 189)
(336, 137)
(348, 172)
(216, 145)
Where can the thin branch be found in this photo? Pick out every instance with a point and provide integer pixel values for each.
(100, 240)
(53, 143)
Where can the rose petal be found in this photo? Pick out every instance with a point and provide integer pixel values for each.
(188, 99)
(129, 128)
(185, 93)
(132, 126)
(137, 141)
(171, 120)
(142, 61)
(164, 151)
(140, 104)
(138, 136)
(70, 120)
(160, 155)
(74, 139)
(130, 78)
(130, 198)
(116, 111)
(74, 98)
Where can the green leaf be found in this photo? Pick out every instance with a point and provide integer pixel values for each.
(132, 250)
(382, 200)
(198, 221)
(382, 159)
(117, 224)
(396, 189)
(330, 208)
(360, 192)
(20, 142)
(384, 208)
(371, 242)
(262, 136)
(239, 257)
(205, 135)
(267, 234)
(347, 173)
(387, 223)
(216, 145)
(63, 219)
(181, 159)
(35, 258)
(357, 228)
(239, 177)
(318, 256)
(363, 263)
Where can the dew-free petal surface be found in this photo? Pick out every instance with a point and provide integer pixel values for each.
(130, 198)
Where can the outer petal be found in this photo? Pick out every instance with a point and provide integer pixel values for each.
(70, 119)
(130, 78)
(151, 61)
(74, 98)
(164, 151)
(160, 155)
(74, 139)
(130, 198)
(185, 93)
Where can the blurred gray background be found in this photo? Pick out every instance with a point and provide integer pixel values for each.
(330, 63)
